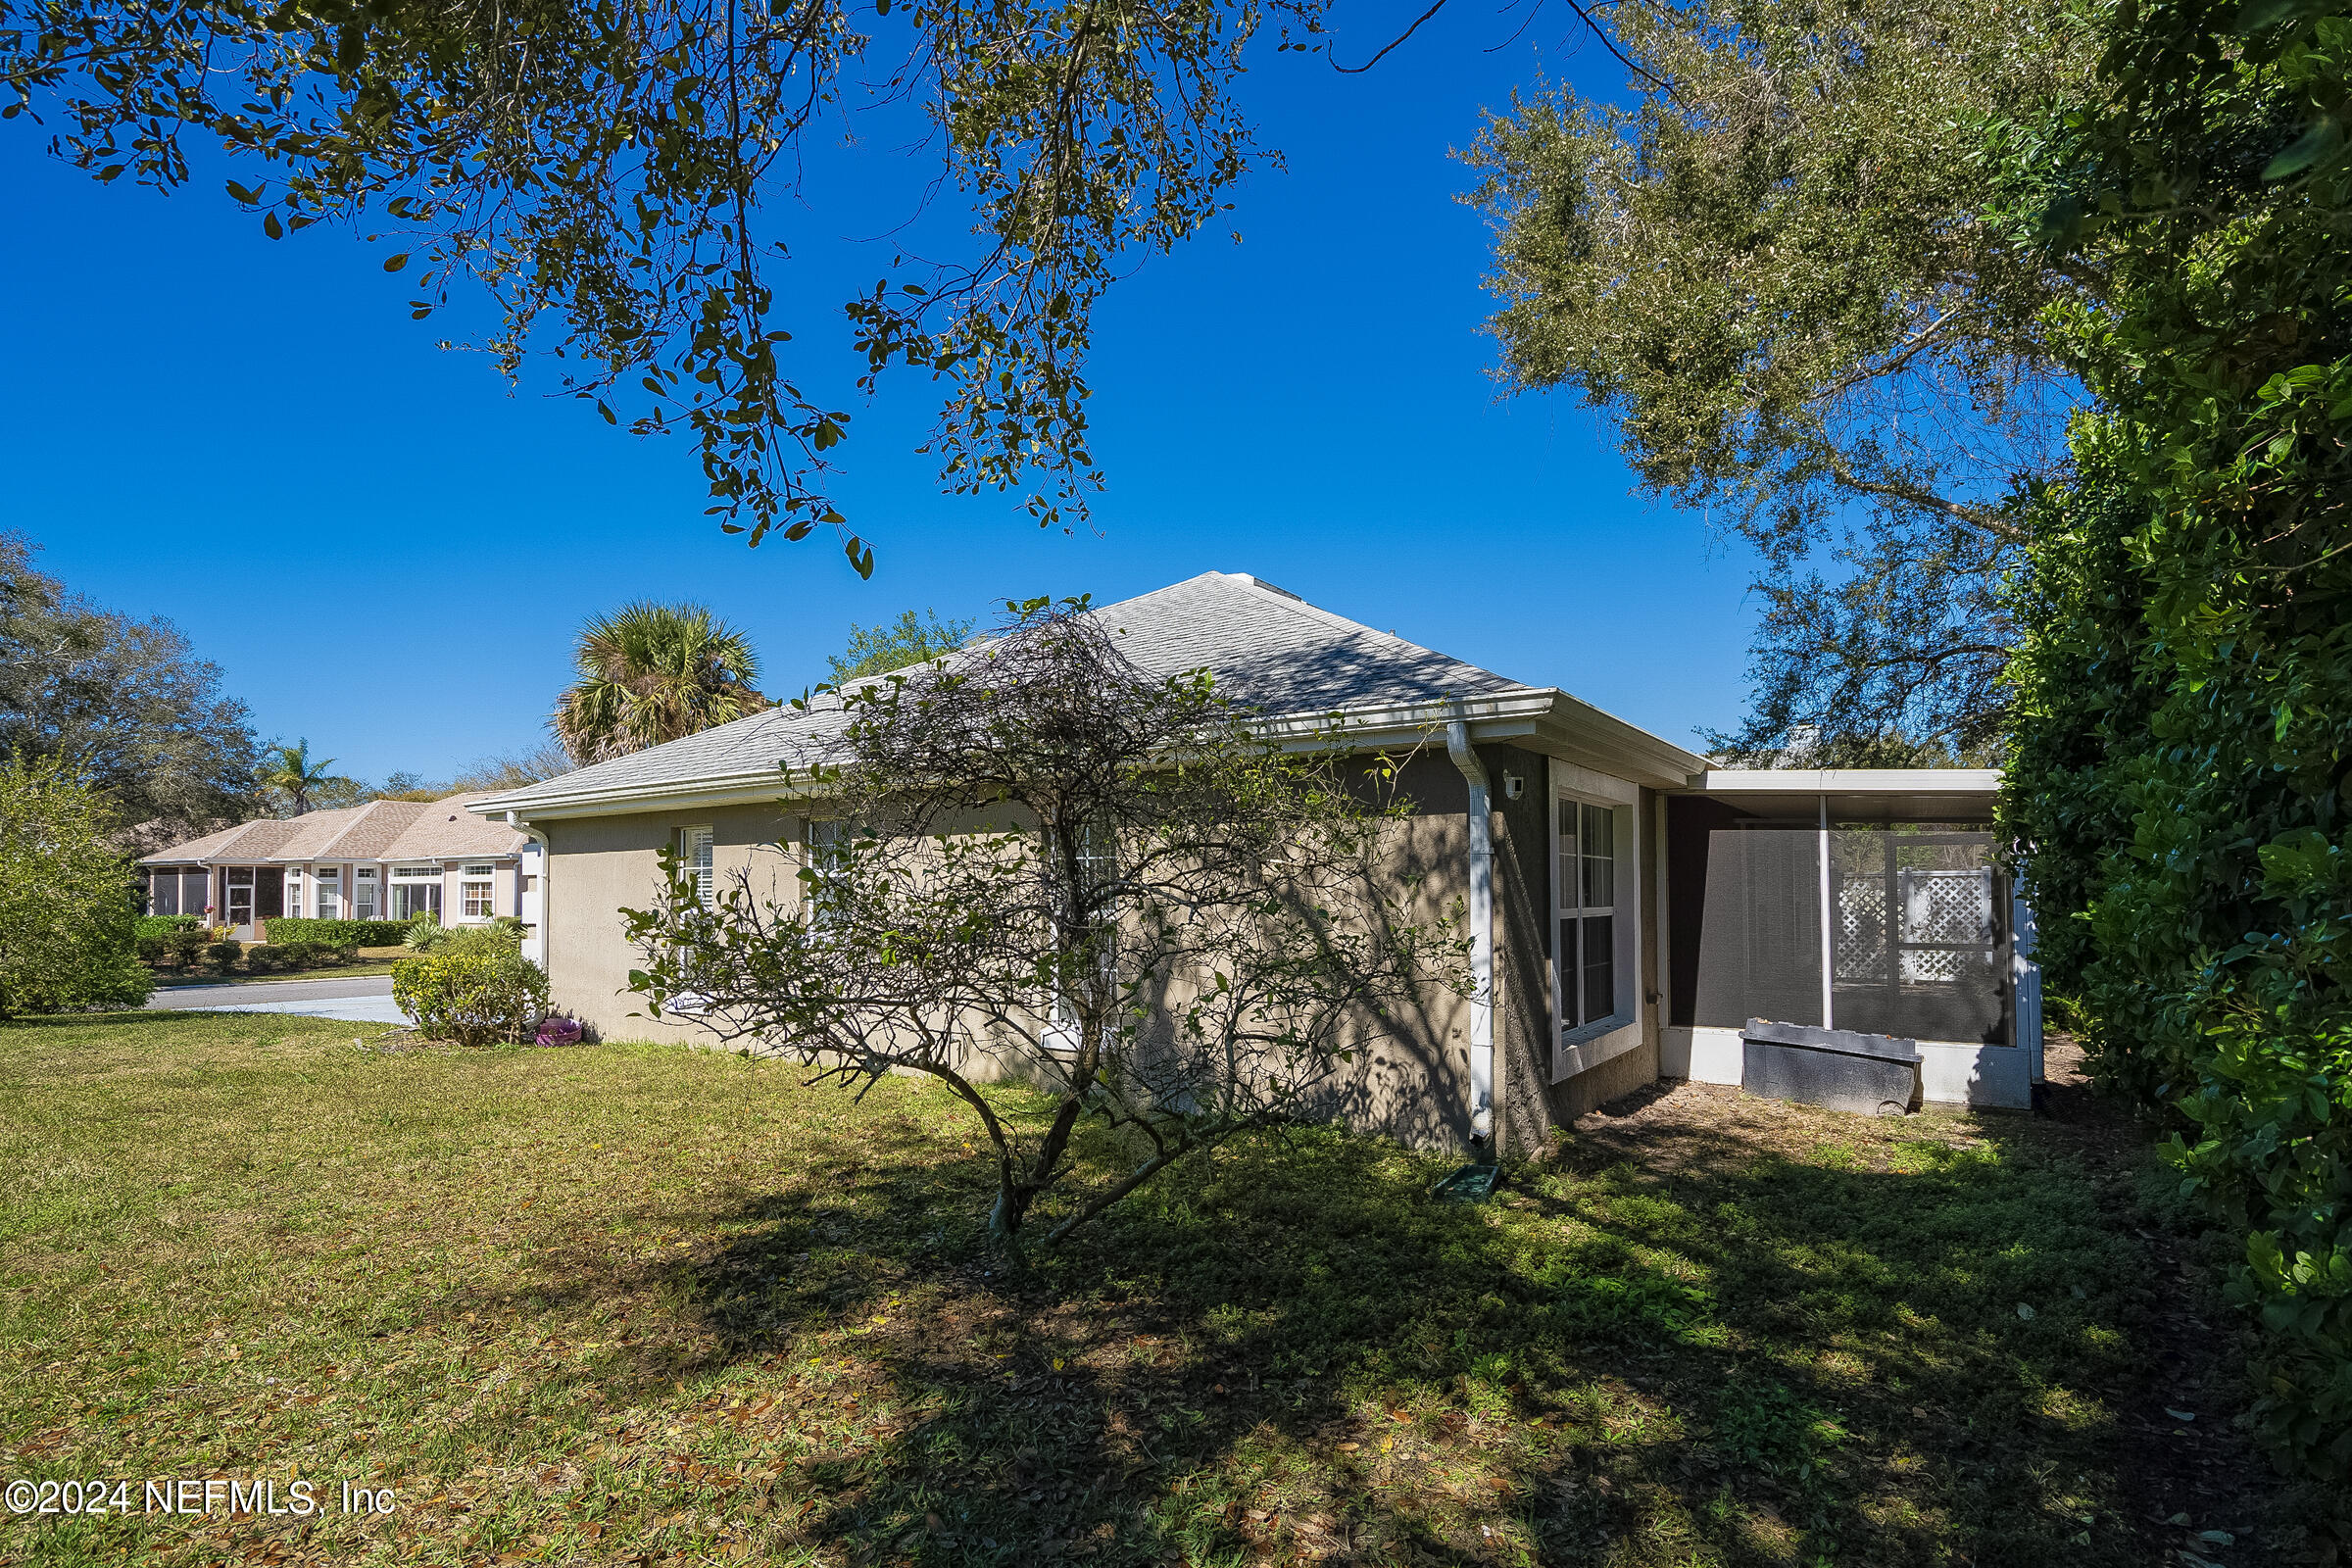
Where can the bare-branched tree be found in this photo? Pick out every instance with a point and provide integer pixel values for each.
(1048, 866)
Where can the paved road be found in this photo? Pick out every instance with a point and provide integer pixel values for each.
(367, 998)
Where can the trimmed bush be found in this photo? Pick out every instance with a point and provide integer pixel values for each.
(477, 995)
(161, 926)
(266, 958)
(338, 933)
(186, 945)
(224, 955)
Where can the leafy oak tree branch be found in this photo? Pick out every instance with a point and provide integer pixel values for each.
(615, 175)
(1776, 278)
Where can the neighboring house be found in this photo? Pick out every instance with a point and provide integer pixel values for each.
(1630, 906)
(385, 861)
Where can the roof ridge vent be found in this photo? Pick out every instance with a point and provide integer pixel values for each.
(1260, 582)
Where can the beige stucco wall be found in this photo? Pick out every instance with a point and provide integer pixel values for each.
(600, 866)
(1414, 1087)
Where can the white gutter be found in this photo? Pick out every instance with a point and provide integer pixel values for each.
(547, 874)
(1482, 936)
(1526, 716)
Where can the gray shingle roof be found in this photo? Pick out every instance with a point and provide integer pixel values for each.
(1267, 648)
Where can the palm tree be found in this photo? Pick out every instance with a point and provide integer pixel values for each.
(650, 673)
(289, 771)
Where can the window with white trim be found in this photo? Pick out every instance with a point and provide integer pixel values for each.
(695, 847)
(478, 899)
(366, 893)
(1585, 912)
(415, 891)
(828, 857)
(326, 892)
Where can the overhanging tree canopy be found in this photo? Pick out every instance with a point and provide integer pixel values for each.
(1775, 273)
(618, 176)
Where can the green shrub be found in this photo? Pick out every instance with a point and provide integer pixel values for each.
(224, 955)
(163, 925)
(2184, 684)
(339, 933)
(477, 995)
(186, 945)
(68, 911)
(266, 958)
(491, 938)
(425, 934)
(151, 949)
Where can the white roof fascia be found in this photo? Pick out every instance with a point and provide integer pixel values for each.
(726, 789)
(1847, 781)
(1551, 720)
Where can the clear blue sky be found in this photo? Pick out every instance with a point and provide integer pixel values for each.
(387, 552)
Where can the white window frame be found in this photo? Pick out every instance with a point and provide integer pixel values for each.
(825, 841)
(327, 882)
(1582, 1047)
(698, 850)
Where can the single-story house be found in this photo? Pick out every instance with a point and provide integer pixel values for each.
(1631, 905)
(384, 860)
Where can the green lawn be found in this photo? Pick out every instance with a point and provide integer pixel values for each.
(623, 1303)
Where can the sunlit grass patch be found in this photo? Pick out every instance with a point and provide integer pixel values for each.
(632, 1302)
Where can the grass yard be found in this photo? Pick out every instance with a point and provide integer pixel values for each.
(630, 1305)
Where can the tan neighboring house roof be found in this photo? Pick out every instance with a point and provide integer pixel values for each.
(380, 830)
(447, 831)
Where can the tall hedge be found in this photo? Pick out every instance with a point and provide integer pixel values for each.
(2183, 748)
(338, 933)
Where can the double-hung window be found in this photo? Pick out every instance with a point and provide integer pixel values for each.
(828, 857)
(695, 851)
(365, 887)
(1585, 895)
(477, 892)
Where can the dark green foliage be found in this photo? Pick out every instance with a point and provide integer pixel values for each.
(277, 957)
(163, 925)
(140, 714)
(224, 955)
(644, 161)
(2185, 743)
(1776, 279)
(339, 933)
(69, 900)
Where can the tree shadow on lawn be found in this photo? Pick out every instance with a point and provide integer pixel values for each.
(1734, 1356)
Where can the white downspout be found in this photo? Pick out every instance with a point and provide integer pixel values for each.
(547, 864)
(1482, 935)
